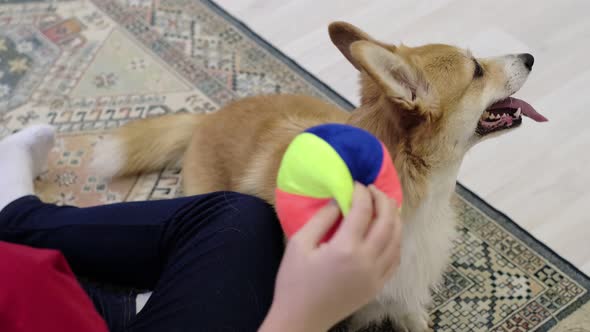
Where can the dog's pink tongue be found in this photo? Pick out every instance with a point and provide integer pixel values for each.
(526, 108)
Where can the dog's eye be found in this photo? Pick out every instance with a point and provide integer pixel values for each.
(478, 71)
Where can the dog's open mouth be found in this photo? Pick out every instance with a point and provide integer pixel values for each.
(506, 114)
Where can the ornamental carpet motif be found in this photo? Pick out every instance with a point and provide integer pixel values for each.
(86, 66)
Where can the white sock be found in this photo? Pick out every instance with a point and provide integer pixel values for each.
(141, 300)
(23, 156)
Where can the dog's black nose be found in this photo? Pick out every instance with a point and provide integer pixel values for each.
(528, 60)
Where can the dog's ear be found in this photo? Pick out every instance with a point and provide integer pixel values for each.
(343, 35)
(401, 82)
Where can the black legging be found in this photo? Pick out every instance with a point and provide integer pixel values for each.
(210, 260)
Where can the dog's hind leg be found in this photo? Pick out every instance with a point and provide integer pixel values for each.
(201, 176)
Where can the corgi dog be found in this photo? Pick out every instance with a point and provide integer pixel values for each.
(429, 105)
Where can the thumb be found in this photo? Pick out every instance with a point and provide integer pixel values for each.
(316, 228)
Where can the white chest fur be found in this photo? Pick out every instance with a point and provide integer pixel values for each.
(426, 247)
(426, 243)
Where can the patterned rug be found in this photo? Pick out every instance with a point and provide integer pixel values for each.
(85, 66)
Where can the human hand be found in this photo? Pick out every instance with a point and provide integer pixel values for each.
(320, 284)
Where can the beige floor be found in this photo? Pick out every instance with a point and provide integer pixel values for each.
(538, 175)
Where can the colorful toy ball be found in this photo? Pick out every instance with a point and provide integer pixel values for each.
(322, 164)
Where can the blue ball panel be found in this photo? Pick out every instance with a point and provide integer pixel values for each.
(360, 150)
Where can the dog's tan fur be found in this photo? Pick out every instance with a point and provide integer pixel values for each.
(422, 102)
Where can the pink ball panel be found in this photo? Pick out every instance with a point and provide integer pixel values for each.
(387, 180)
(294, 211)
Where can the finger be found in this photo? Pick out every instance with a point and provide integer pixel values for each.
(355, 224)
(316, 228)
(390, 261)
(391, 256)
(390, 272)
(381, 231)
